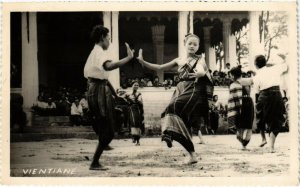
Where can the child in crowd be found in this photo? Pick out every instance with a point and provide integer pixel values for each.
(76, 113)
(214, 113)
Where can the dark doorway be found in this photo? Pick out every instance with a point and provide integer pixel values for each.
(63, 46)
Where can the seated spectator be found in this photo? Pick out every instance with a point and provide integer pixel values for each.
(84, 104)
(40, 106)
(76, 113)
(168, 83)
(156, 82)
(136, 79)
(40, 102)
(143, 83)
(50, 107)
(222, 77)
(216, 78)
(149, 83)
(129, 82)
(63, 106)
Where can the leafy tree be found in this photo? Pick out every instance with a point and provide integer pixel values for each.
(275, 28)
(242, 45)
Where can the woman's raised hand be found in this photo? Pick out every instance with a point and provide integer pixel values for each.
(130, 52)
(140, 57)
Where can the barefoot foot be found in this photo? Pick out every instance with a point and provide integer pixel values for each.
(263, 143)
(192, 161)
(98, 167)
(168, 140)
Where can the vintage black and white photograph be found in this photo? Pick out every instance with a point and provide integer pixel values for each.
(152, 93)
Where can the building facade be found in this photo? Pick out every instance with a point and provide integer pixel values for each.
(53, 47)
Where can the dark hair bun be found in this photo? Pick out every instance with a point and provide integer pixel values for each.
(98, 33)
(236, 71)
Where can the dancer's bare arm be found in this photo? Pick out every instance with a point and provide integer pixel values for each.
(110, 65)
(156, 67)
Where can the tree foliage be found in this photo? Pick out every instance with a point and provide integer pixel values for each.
(242, 45)
(275, 28)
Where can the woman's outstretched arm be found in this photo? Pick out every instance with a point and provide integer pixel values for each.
(110, 65)
(156, 67)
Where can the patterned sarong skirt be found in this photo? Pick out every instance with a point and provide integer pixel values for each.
(270, 110)
(101, 104)
(188, 104)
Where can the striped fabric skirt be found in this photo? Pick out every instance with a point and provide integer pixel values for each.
(245, 119)
(101, 104)
(188, 104)
(270, 110)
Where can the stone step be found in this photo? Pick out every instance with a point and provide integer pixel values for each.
(32, 137)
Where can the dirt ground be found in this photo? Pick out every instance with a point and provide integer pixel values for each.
(220, 156)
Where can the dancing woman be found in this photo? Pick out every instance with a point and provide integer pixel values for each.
(190, 100)
(240, 106)
(100, 91)
(136, 113)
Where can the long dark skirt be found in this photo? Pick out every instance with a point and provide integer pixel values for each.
(214, 120)
(247, 114)
(101, 107)
(136, 118)
(270, 110)
(188, 104)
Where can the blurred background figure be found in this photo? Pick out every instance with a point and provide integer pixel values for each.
(136, 113)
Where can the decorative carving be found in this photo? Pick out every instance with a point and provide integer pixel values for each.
(158, 33)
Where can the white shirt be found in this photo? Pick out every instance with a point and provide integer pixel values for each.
(267, 77)
(84, 104)
(52, 105)
(94, 65)
(41, 104)
(76, 110)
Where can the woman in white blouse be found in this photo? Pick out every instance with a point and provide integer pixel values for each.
(100, 91)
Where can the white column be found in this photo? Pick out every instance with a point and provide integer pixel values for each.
(256, 46)
(232, 50)
(158, 36)
(212, 59)
(229, 43)
(191, 22)
(182, 31)
(111, 21)
(30, 82)
(210, 54)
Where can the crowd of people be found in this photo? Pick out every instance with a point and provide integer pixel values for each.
(221, 78)
(148, 82)
(62, 102)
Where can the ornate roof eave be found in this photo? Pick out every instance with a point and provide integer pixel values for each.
(221, 15)
(149, 15)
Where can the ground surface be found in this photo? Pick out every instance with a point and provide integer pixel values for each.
(219, 157)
